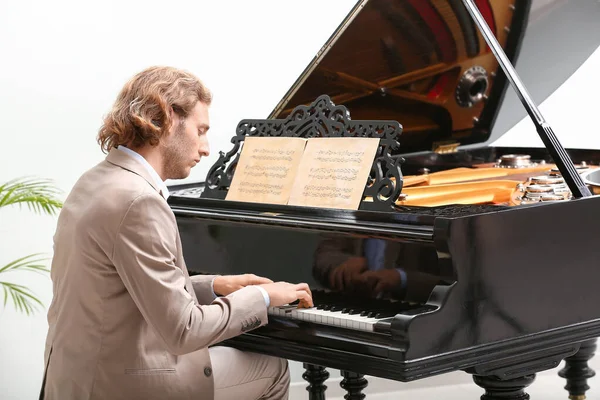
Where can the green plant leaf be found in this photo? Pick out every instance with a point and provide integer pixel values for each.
(29, 263)
(40, 195)
(22, 297)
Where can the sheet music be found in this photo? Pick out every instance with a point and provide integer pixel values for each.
(266, 169)
(333, 172)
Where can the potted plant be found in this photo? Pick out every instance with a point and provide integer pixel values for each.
(40, 196)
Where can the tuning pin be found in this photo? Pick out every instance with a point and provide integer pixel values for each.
(546, 180)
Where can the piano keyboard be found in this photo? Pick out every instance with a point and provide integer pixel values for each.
(334, 310)
(332, 318)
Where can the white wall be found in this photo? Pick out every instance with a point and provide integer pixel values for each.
(560, 36)
(571, 111)
(63, 62)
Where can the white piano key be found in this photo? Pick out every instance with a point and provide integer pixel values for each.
(324, 317)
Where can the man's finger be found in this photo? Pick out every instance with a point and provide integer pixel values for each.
(303, 286)
(305, 298)
(260, 280)
(255, 279)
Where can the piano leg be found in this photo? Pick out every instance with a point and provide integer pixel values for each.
(315, 375)
(577, 371)
(354, 384)
(510, 389)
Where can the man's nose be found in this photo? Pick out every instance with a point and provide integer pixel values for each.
(204, 150)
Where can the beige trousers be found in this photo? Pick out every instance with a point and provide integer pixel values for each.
(240, 375)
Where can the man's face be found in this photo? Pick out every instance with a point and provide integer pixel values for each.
(186, 143)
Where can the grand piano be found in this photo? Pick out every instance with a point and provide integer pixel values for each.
(479, 259)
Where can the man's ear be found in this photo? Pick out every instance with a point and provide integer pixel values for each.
(174, 118)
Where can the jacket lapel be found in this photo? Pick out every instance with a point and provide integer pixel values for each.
(123, 160)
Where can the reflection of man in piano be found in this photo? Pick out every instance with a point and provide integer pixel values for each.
(377, 267)
(127, 321)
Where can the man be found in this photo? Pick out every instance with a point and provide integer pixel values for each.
(126, 320)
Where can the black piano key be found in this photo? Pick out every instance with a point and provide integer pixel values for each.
(365, 307)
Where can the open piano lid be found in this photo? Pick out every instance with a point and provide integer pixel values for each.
(422, 63)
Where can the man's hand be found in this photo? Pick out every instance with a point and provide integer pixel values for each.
(282, 293)
(345, 275)
(227, 284)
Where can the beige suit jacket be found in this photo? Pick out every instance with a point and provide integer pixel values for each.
(126, 321)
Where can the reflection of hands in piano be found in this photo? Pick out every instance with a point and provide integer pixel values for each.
(381, 281)
(346, 274)
(282, 293)
(227, 284)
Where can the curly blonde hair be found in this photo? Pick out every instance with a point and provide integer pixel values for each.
(141, 114)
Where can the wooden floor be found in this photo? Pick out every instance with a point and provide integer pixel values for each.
(453, 386)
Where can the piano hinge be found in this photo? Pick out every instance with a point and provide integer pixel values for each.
(445, 147)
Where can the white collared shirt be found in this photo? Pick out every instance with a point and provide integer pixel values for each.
(159, 182)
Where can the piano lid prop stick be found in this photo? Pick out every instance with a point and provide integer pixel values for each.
(558, 153)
